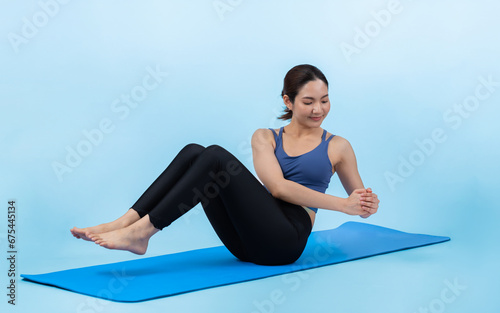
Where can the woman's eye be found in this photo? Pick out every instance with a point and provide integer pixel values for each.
(307, 102)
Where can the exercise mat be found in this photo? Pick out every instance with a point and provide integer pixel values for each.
(172, 274)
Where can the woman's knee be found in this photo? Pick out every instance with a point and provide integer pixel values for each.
(226, 161)
(221, 153)
(215, 153)
(216, 149)
(193, 148)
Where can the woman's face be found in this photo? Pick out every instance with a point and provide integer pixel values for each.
(311, 104)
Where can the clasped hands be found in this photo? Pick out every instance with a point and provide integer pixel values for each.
(362, 202)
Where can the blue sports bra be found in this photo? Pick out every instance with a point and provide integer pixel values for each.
(312, 169)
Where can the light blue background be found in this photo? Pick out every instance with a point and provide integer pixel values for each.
(225, 73)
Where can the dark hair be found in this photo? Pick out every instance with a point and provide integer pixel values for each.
(295, 79)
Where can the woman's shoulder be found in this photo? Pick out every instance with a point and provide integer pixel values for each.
(265, 131)
(337, 148)
(337, 142)
(263, 136)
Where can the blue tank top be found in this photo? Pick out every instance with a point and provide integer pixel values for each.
(312, 169)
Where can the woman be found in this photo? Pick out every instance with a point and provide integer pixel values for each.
(265, 224)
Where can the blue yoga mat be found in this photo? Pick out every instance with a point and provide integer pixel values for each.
(172, 274)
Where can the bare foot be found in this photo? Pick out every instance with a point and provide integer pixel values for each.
(133, 238)
(125, 220)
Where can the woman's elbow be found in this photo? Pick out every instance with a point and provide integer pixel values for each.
(276, 191)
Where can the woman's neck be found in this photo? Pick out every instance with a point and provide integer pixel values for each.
(298, 131)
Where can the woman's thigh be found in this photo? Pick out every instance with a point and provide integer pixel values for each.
(271, 230)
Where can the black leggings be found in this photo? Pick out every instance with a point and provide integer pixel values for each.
(253, 225)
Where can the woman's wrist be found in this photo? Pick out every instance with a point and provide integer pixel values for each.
(338, 204)
(342, 205)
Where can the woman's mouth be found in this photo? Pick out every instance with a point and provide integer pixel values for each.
(316, 118)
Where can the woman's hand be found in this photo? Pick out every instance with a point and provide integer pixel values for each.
(369, 203)
(362, 202)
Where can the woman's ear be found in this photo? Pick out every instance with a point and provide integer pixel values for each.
(287, 102)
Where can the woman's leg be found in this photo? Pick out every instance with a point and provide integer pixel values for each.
(253, 224)
(162, 185)
(249, 247)
(151, 196)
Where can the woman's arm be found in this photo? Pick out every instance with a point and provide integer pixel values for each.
(345, 164)
(347, 169)
(269, 172)
(295, 193)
